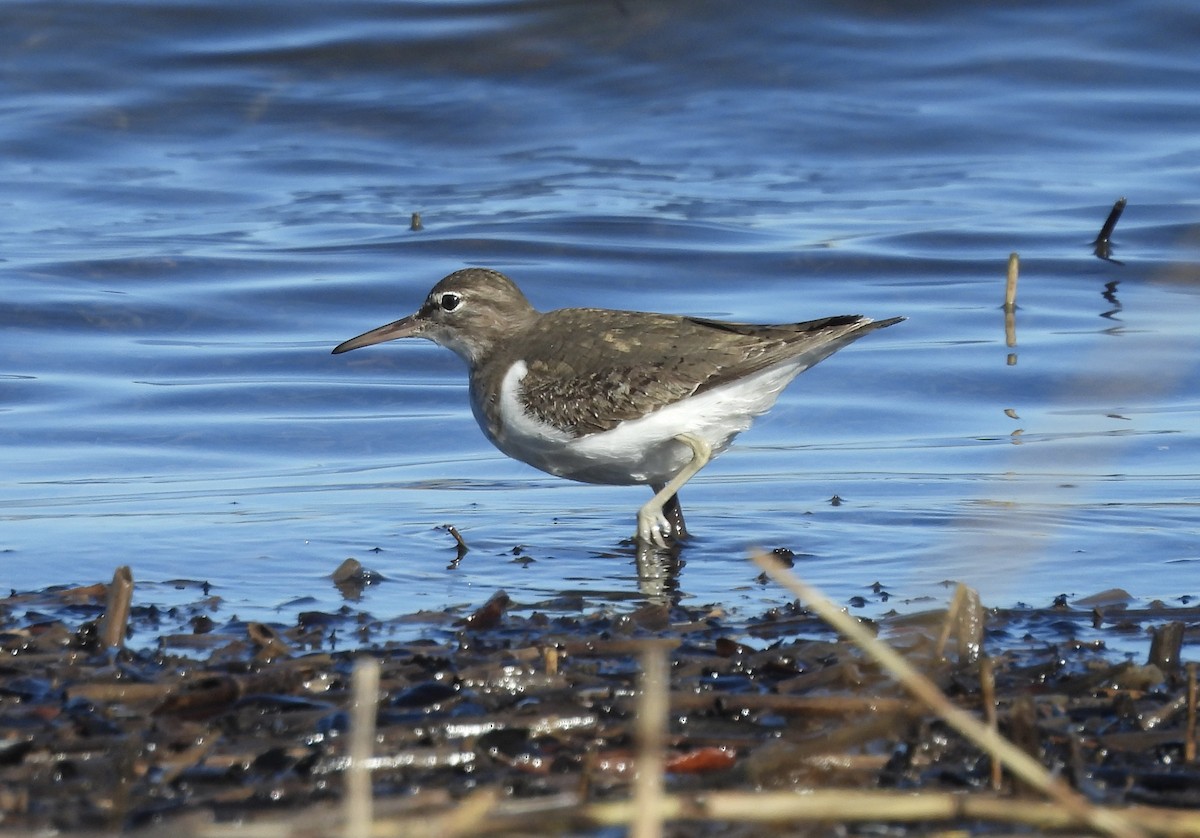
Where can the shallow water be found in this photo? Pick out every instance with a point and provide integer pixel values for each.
(202, 200)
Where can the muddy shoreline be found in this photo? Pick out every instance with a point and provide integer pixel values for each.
(196, 723)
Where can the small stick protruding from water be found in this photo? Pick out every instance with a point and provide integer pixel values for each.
(1102, 247)
(550, 659)
(1110, 223)
(1010, 306)
(461, 550)
(1010, 287)
(415, 223)
(462, 545)
(116, 609)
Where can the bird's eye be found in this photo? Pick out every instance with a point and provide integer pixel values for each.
(450, 301)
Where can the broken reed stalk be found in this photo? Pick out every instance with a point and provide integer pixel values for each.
(115, 621)
(458, 539)
(1019, 763)
(359, 814)
(875, 806)
(1189, 743)
(1110, 223)
(987, 694)
(965, 620)
(1010, 285)
(1010, 306)
(550, 659)
(653, 708)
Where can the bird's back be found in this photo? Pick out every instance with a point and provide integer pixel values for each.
(591, 369)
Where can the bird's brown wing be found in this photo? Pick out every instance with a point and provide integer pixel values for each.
(806, 343)
(590, 369)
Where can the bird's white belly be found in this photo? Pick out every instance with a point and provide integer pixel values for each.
(642, 450)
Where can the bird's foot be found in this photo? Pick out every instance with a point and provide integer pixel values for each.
(653, 526)
(662, 516)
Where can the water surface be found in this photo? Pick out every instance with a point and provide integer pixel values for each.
(201, 200)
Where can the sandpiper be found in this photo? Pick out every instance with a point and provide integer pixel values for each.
(615, 397)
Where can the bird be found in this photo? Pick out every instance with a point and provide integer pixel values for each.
(613, 397)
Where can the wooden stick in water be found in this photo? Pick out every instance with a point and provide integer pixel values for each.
(116, 609)
(1110, 223)
(1010, 287)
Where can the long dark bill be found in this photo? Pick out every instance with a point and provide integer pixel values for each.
(406, 327)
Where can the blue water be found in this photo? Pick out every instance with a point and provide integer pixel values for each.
(200, 200)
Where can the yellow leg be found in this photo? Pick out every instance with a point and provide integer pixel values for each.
(653, 526)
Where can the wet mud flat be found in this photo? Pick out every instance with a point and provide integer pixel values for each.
(558, 718)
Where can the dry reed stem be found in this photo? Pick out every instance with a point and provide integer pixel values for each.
(848, 806)
(1010, 285)
(1010, 306)
(653, 707)
(364, 700)
(1189, 743)
(964, 619)
(116, 609)
(550, 659)
(1018, 762)
(987, 693)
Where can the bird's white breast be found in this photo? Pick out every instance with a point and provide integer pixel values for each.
(642, 450)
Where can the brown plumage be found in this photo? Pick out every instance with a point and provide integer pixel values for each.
(591, 369)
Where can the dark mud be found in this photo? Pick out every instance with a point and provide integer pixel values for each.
(200, 721)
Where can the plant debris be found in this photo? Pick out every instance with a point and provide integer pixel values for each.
(523, 718)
